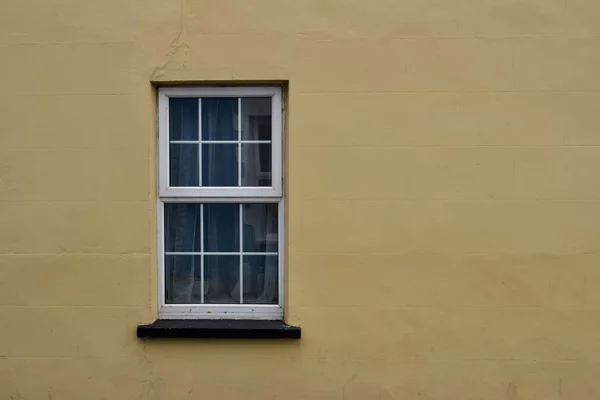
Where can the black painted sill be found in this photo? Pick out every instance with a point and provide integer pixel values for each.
(218, 329)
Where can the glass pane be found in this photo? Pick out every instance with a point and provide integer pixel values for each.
(219, 165)
(182, 280)
(260, 227)
(256, 118)
(256, 164)
(222, 279)
(219, 118)
(183, 119)
(182, 227)
(261, 283)
(221, 227)
(183, 168)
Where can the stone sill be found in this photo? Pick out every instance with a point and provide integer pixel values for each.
(218, 329)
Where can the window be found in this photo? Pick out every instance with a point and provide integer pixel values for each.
(220, 202)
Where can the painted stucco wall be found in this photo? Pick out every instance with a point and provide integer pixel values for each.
(442, 188)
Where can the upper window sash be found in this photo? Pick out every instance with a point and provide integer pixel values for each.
(276, 188)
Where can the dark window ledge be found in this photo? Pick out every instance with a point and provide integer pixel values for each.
(218, 328)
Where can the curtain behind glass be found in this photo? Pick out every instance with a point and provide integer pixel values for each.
(221, 221)
(182, 235)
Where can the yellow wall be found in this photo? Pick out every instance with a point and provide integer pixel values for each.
(443, 194)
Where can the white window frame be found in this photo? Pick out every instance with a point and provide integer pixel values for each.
(169, 194)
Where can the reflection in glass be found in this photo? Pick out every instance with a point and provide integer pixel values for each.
(256, 164)
(260, 227)
(256, 118)
(221, 279)
(260, 280)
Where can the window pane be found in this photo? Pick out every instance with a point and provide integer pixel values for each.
(183, 168)
(182, 280)
(256, 118)
(261, 280)
(222, 279)
(183, 119)
(220, 251)
(219, 118)
(219, 165)
(260, 227)
(256, 164)
(182, 227)
(221, 227)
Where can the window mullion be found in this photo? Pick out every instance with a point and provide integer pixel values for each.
(200, 142)
(201, 253)
(241, 253)
(201, 205)
(239, 132)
